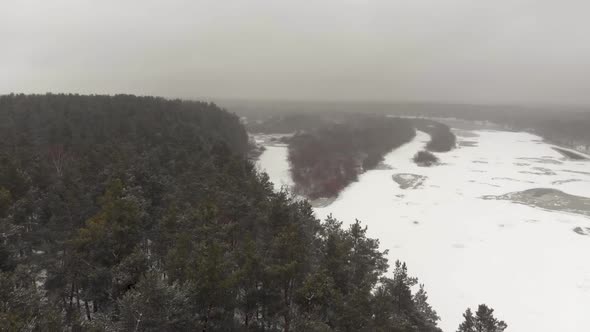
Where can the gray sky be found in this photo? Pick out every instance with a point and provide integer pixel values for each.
(472, 51)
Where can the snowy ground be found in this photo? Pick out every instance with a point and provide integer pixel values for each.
(526, 262)
(274, 162)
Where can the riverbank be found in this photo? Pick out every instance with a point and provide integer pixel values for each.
(456, 241)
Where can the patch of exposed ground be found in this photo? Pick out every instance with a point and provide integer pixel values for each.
(548, 199)
(465, 133)
(383, 166)
(511, 179)
(570, 154)
(408, 181)
(582, 230)
(543, 160)
(485, 183)
(469, 144)
(576, 172)
(565, 181)
(539, 171)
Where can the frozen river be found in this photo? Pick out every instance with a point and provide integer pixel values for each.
(530, 263)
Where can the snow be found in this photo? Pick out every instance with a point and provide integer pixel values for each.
(525, 262)
(274, 161)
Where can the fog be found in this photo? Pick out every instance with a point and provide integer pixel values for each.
(504, 51)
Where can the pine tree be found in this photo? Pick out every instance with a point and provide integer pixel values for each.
(422, 305)
(185, 234)
(486, 322)
(483, 321)
(5, 201)
(154, 305)
(468, 324)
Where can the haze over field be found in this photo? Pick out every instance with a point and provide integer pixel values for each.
(506, 51)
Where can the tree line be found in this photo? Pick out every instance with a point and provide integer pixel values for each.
(325, 160)
(329, 156)
(559, 124)
(442, 139)
(124, 213)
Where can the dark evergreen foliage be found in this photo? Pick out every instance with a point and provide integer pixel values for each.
(133, 213)
(326, 160)
(425, 158)
(483, 321)
(442, 138)
(570, 154)
(563, 125)
(288, 123)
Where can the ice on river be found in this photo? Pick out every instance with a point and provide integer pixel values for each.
(528, 263)
(275, 163)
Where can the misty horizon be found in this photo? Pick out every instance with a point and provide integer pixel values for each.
(506, 53)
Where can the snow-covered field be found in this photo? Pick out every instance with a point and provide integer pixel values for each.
(526, 262)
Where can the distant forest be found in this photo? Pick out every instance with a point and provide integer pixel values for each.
(124, 213)
(330, 151)
(559, 126)
(562, 125)
(288, 123)
(326, 160)
(442, 138)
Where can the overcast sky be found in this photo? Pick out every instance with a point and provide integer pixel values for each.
(471, 51)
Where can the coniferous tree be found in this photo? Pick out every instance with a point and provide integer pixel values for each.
(483, 321)
(137, 213)
(154, 305)
(468, 325)
(486, 322)
(424, 308)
